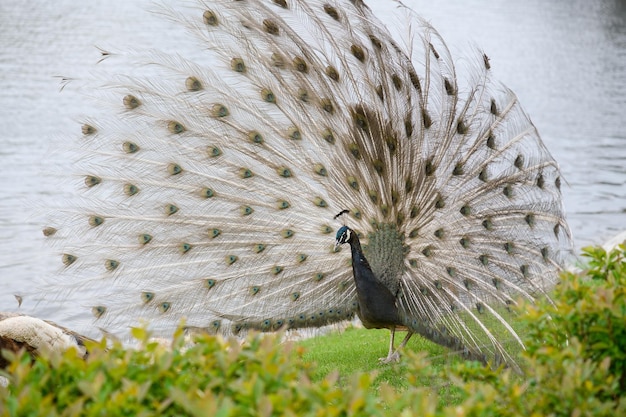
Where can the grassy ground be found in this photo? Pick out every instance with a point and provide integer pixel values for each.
(358, 350)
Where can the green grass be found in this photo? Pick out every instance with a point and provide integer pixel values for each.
(357, 350)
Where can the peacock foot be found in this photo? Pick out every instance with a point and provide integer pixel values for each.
(391, 358)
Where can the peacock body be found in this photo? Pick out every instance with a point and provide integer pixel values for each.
(208, 191)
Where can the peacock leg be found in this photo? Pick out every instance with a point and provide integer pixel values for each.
(390, 356)
(405, 341)
(394, 355)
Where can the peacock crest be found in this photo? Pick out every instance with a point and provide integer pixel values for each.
(208, 193)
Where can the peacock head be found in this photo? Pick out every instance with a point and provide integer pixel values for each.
(344, 235)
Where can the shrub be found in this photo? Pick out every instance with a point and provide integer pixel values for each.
(589, 310)
(213, 377)
(576, 350)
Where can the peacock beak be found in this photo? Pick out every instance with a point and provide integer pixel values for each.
(337, 244)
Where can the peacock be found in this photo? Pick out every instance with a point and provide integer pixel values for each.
(210, 184)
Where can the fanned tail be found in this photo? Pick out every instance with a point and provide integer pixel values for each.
(208, 192)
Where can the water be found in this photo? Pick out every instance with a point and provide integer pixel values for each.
(565, 59)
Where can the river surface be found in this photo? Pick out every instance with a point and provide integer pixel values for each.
(565, 59)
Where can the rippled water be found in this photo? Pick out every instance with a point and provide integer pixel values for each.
(565, 59)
